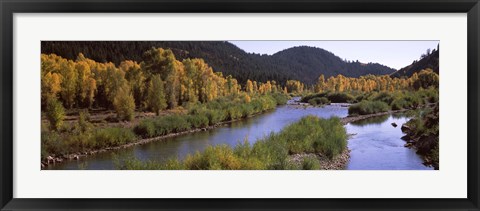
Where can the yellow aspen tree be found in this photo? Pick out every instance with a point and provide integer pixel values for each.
(249, 87)
(124, 103)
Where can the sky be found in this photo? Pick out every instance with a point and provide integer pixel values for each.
(395, 54)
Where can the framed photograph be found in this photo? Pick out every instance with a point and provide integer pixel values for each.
(263, 105)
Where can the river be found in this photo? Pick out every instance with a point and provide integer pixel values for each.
(376, 144)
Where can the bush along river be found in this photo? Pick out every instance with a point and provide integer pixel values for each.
(374, 143)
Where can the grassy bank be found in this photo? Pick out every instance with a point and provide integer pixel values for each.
(83, 136)
(376, 102)
(209, 114)
(310, 135)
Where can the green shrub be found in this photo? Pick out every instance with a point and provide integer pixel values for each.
(83, 124)
(146, 128)
(233, 113)
(213, 158)
(55, 113)
(52, 144)
(198, 120)
(215, 116)
(413, 100)
(399, 104)
(124, 103)
(368, 107)
(310, 163)
(176, 123)
(280, 99)
(385, 97)
(110, 137)
(309, 97)
(340, 97)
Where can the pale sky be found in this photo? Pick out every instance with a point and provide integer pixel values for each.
(395, 54)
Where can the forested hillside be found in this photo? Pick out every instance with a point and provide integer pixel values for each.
(300, 63)
(309, 61)
(429, 60)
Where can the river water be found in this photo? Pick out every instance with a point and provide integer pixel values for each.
(375, 145)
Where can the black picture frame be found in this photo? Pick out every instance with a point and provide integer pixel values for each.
(9, 7)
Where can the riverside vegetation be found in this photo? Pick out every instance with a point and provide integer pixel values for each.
(162, 96)
(422, 133)
(311, 135)
(83, 137)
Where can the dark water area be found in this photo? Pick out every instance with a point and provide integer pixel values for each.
(374, 140)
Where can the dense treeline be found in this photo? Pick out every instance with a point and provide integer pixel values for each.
(424, 79)
(226, 58)
(310, 135)
(202, 97)
(373, 94)
(159, 82)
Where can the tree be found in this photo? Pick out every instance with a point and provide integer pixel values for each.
(157, 61)
(136, 79)
(86, 86)
(249, 87)
(91, 89)
(155, 96)
(69, 82)
(51, 86)
(55, 113)
(175, 72)
(113, 81)
(320, 86)
(190, 81)
(124, 103)
(426, 78)
(294, 86)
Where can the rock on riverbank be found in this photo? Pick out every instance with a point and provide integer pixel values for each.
(338, 163)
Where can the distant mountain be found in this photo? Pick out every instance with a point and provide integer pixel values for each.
(300, 63)
(311, 61)
(429, 60)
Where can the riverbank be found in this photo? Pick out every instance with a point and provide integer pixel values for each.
(52, 159)
(296, 147)
(422, 134)
(339, 162)
(186, 138)
(343, 159)
(350, 119)
(83, 138)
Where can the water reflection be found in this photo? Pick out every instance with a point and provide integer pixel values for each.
(377, 146)
(378, 120)
(253, 128)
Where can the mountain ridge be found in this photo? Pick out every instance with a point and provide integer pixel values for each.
(429, 60)
(303, 63)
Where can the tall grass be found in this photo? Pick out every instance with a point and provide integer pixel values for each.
(55, 143)
(368, 107)
(208, 114)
